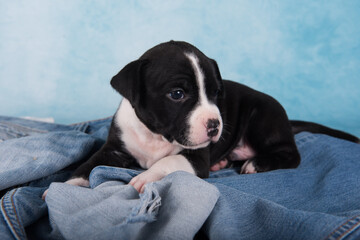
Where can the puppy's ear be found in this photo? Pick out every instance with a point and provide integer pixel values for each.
(129, 80)
(218, 77)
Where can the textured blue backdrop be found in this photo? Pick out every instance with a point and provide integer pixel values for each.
(57, 57)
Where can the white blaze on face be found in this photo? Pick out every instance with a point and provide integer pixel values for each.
(203, 111)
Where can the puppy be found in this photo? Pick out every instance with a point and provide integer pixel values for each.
(178, 114)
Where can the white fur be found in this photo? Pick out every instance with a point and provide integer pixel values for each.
(161, 169)
(248, 168)
(242, 152)
(74, 181)
(204, 111)
(146, 146)
(153, 151)
(78, 182)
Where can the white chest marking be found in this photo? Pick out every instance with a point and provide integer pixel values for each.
(146, 146)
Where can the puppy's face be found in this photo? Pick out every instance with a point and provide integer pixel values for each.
(173, 88)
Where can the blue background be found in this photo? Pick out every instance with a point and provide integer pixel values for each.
(57, 57)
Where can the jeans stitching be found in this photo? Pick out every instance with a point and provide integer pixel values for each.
(14, 226)
(15, 128)
(345, 229)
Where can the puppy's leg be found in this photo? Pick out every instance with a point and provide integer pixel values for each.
(160, 169)
(270, 137)
(272, 151)
(271, 161)
(105, 156)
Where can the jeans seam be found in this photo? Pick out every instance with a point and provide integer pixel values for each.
(91, 121)
(11, 127)
(345, 229)
(83, 126)
(13, 223)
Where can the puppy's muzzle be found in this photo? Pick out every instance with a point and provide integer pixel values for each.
(212, 127)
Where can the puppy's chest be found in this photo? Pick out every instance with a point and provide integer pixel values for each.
(148, 148)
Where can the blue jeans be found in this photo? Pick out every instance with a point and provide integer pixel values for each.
(318, 200)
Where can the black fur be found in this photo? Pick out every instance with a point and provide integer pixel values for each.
(247, 114)
(300, 126)
(261, 122)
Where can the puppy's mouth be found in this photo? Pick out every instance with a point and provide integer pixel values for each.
(188, 143)
(191, 145)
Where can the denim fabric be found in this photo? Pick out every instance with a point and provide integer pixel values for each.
(318, 200)
(31, 149)
(22, 207)
(33, 157)
(12, 127)
(33, 154)
(113, 210)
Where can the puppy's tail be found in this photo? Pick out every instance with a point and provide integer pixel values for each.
(301, 126)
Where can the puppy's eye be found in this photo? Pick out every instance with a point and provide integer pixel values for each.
(176, 95)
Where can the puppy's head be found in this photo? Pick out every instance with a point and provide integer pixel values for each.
(173, 89)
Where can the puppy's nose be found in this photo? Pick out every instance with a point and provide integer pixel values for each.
(212, 127)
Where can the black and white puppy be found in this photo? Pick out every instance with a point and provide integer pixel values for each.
(178, 114)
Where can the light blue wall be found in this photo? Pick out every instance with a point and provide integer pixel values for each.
(57, 57)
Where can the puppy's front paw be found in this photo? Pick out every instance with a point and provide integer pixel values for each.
(79, 181)
(44, 195)
(248, 167)
(143, 178)
(74, 181)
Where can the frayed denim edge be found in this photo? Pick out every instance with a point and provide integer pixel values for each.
(146, 211)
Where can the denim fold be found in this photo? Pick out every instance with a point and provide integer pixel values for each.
(317, 200)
